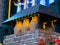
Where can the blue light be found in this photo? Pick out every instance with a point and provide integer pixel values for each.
(29, 5)
(51, 1)
(47, 3)
(37, 1)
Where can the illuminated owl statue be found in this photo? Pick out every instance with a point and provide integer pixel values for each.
(33, 23)
(25, 26)
(17, 28)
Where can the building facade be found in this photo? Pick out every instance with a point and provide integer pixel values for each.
(1, 13)
(6, 28)
(55, 6)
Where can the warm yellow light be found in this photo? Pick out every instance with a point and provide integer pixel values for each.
(26, 25)
(0, 44)
(38, 15)
(9, 8)
(35, 19)
(44, 25)
(59, 37)
(52, 24)
(26, 22)
(17, 28)
(19, 24)
(55, 20)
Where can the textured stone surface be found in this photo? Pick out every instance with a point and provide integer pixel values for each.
(1, 11)
(29, 38)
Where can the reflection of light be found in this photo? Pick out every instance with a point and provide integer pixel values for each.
(51, 1)
(44, 25)
(42, 2)
(52, 23)
(33, 2)
(25, 4)
(9, 8)
(55, 20)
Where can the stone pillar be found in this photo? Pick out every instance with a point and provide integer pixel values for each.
(39, 22)
(57, 27)
(1, 19)
(1, 11)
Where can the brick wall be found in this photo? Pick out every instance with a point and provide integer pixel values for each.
(29, 38)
